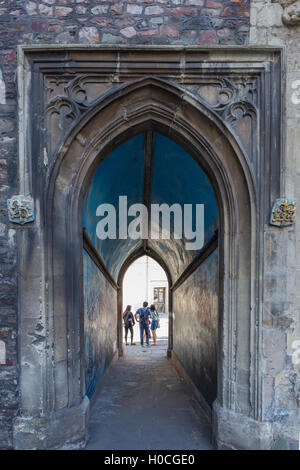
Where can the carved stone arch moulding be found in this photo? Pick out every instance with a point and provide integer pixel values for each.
(76, 105)
(154, 102)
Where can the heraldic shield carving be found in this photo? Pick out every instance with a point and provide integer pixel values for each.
(20, 210)
(283, 212)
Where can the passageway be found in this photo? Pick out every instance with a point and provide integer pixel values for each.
(144, 404)
(149, 196)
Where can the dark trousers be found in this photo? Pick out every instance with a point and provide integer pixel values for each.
(144, 328)
(130, 328)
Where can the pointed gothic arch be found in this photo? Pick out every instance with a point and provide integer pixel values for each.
(126, 110)
(153, 103)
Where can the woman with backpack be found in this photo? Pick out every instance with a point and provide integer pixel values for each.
(128, 323)
(155, 322)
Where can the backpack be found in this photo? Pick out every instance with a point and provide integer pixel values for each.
(128, 321)
(144, 313)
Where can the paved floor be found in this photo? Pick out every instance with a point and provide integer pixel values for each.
(144, 404)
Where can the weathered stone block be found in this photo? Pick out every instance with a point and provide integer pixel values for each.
(31, 8)
(269, 15)
(102, 21)
(49, 433)
(207, 37)
(45, 10)
(134, 9)
(99, 9)
(154, 10)
(199, 3)
(274, 350)
(237, 431)
(188, 11)
(148, 32)
(128, 32)
(89, 34)
(170, 30)
(117, 9)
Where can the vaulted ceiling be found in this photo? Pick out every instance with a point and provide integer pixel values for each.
(149, 168)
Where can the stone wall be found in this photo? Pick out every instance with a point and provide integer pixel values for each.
(195, 330)
(8, 247)
(133, 21)
(278, 24)
(100, 319)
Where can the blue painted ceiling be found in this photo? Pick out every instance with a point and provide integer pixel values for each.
(176, 178)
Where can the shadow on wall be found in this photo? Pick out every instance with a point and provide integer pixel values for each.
(100, 320)
(195, 305)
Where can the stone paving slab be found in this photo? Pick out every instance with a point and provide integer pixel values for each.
(143, 404)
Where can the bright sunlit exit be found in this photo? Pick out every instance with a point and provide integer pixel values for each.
(145, 280)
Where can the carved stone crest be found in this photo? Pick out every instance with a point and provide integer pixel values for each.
(20, 209)
(283, 212)
(291, 11)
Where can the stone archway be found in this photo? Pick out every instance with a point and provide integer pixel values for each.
(152, 168)
(58, 399)
(139, 252)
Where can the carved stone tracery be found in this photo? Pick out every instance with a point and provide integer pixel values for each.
(68, 98)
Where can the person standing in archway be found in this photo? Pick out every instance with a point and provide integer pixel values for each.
(154, 323)
(142, 316)
(128, 323)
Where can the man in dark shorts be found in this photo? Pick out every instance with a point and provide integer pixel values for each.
(142, 316)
